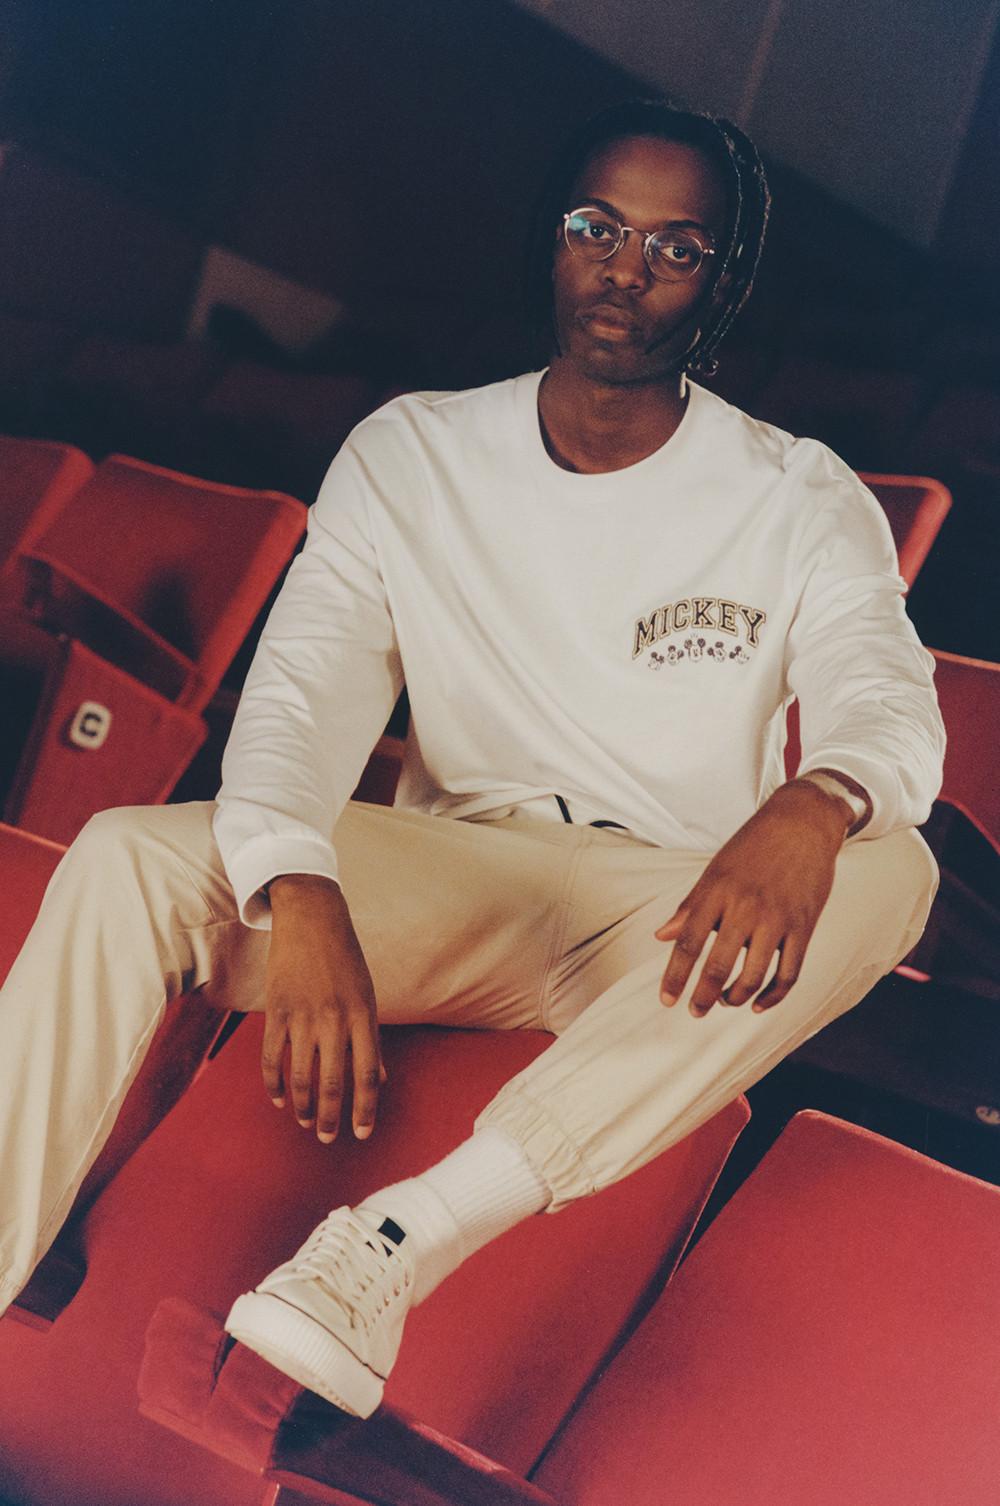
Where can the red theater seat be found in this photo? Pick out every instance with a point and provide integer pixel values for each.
(962, 941)
(915, 506)
(80, 734)
(969, 695)
(130, 606)
(161, 573)
(829, 1342)
(227, 1186)
(37, 478)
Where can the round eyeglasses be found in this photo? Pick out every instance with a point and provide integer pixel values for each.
(596, 234)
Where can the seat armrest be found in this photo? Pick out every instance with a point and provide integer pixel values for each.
(197, 1382)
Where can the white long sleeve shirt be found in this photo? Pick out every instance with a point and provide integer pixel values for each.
(628, 641)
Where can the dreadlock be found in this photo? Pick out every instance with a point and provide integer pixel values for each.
(748, 201)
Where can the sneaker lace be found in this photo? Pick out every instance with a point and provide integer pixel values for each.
(354, 1267)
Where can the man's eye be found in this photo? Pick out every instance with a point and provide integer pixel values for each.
(595, 231)
(679, 251)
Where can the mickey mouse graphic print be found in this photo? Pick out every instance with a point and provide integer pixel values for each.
(693, 621)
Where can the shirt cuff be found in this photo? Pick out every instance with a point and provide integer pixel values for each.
(265, 858)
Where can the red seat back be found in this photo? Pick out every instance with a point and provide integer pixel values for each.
(916, 507)
(969, 695)
(37, 478)
(65, 775)
(192, 560)
(832, 1339)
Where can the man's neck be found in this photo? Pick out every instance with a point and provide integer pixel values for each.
(589, 426)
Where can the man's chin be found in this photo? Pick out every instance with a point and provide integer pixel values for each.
(625, 368)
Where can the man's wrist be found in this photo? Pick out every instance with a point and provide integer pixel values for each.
(852, 797)
(288, 891)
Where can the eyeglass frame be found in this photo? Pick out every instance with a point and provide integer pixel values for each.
(623, 232)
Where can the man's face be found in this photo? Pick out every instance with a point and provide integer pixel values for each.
(615, 321)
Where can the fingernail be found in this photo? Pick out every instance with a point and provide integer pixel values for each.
(700, 1010)
(307, 1123)
(326, 1136)
(668, 999)
(362, 1131)
(279, 1103)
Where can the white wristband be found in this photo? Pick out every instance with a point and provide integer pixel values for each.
(831, 785)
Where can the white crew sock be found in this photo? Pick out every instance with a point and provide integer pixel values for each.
(476, 1193)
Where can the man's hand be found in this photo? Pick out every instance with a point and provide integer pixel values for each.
(319, 998)
(764, 890)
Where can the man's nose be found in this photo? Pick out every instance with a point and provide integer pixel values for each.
(627, 268)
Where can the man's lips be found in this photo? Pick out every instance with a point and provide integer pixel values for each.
(609, 318)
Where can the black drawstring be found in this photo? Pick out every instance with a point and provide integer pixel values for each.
(567, 817)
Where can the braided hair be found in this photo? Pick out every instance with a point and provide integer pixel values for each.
(748, 202)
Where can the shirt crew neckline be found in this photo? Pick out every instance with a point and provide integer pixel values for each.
(583, 484)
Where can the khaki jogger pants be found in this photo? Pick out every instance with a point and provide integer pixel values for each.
(507, 922)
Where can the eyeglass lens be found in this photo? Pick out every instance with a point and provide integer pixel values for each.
(596, 235)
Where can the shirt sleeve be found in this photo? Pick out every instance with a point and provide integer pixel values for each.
(864, 683)
(322, 684)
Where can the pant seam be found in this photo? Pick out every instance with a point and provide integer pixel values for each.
(545, 1001)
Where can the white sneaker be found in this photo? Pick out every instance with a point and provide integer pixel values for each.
(332, 1317)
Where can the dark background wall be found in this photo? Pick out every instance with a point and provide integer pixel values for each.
(304, 135)
(366, 150)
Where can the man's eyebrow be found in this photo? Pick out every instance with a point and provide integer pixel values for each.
(665, 224)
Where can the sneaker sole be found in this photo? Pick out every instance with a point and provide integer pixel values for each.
(302, 1349)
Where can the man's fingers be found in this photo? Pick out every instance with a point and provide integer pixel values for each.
(760, 953)
(688, 943)
(300, 1071)
(332, 1048)
(671, 928)
(272, 1059)
(717, 968)
(793, 950)
(368, 1074)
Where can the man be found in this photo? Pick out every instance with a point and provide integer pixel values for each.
(601, 585)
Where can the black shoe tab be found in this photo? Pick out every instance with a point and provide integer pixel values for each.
(391, 1230)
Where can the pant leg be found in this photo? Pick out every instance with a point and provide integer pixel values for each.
(628, 1077)
(457, 921)
(137, 913)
